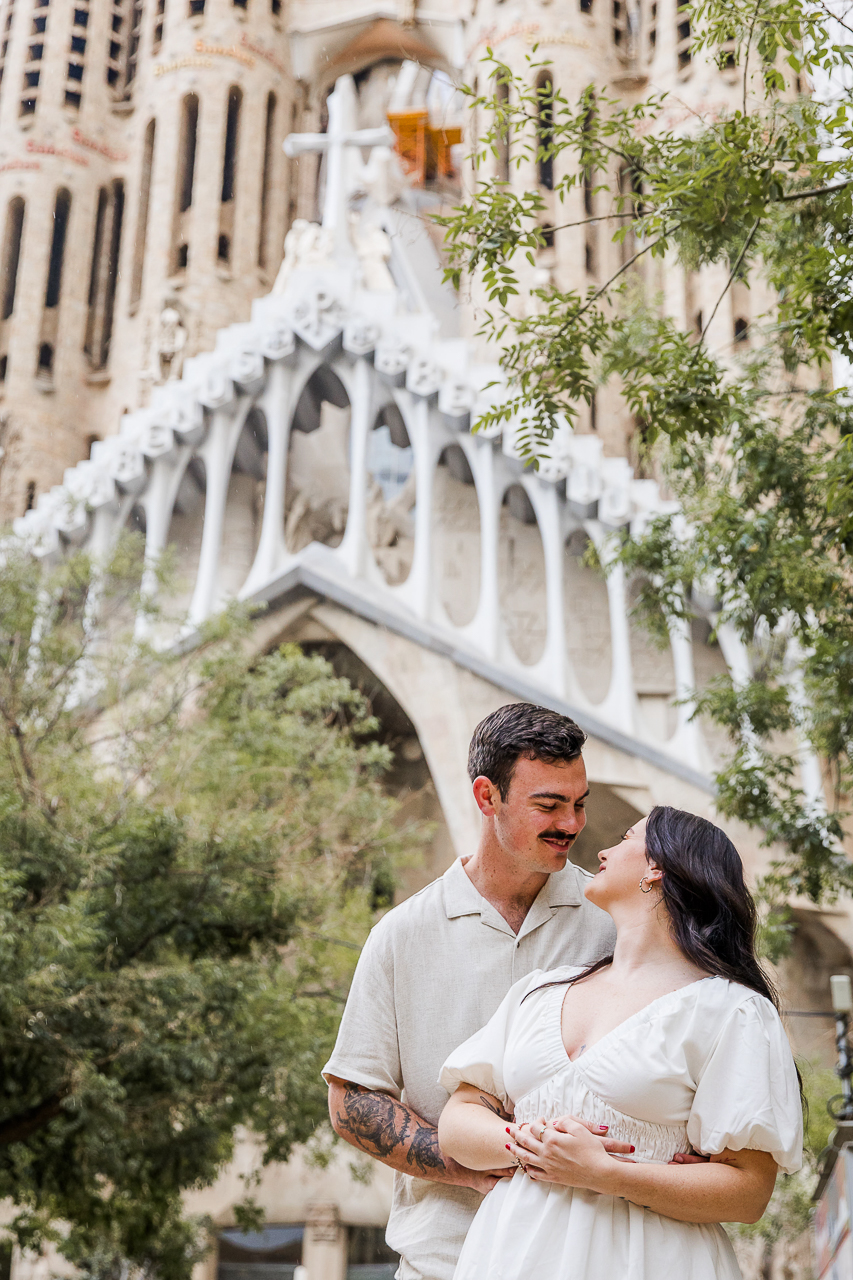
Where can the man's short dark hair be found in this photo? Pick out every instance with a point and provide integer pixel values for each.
(521, 730)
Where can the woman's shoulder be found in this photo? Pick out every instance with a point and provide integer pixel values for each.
(719, 1000)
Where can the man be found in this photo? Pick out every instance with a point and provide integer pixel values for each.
(435, 969)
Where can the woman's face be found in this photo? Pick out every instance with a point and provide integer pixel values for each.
(621, 869)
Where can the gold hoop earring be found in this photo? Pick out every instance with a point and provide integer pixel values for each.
(642, 882)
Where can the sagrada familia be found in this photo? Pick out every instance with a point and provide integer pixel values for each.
(224, 325)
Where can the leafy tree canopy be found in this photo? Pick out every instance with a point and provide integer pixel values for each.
(752, 439)
(191, 849)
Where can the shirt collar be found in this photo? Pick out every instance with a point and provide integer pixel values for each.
(564, 889)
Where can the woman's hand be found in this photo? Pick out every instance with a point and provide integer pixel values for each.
(566, 1151)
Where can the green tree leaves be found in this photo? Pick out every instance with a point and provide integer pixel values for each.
(750, 437)
(177, 833)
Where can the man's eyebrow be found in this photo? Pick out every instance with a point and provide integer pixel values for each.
(556, 795)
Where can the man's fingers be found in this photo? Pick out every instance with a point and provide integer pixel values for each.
(618, 1148)
(689, 1157)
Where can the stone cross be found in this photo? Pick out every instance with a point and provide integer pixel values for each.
(340, 135)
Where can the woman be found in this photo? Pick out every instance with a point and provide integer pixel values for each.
(672, 1045)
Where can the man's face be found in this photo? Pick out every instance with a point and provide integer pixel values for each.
(543, 813)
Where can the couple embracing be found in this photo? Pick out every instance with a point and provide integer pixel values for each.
(574, 1077)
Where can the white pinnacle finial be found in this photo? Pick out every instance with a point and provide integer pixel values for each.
(341, 133)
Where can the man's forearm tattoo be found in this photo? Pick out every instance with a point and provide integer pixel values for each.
(380, 1125)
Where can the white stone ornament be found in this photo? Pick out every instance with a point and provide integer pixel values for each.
(584, 481)
(318, 319)
(158, 442)
(183, 415)
(614, 505)
(70, 518)
(128, 469)
(216, 391)
(391, 361)
(360, 336)
(247, 370)
(276, 341)
(424, 377)
(455, 402)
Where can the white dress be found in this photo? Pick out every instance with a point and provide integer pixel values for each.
(707, 1067)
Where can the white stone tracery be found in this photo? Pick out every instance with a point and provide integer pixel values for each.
(384, 352)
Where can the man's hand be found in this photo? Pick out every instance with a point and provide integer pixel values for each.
(481, 1180)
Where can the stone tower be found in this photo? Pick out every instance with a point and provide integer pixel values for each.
(141, 173)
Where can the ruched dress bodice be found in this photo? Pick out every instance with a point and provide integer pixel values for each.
(704, 1068)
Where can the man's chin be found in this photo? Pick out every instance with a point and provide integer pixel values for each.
(558, 856)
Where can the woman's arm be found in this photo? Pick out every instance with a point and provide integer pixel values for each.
(473, 1130)
(734, 1186)
(475, 1124)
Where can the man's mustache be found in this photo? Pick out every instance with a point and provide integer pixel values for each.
(571, 836)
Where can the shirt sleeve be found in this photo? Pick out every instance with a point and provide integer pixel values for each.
(480, 1059)
(748, 1098)
(367, 1049)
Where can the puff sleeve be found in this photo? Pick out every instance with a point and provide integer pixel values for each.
(747, 1097)
(480, 1059)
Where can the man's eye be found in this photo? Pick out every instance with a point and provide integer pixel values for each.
(547, 808)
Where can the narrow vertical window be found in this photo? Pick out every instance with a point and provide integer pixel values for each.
(502, 130)
(112, 71)
(545, 131)
(61, 210)
(682, 35)
(12, 254)
(266, 180)
(76, 65)
(196, 9)
(653, 29)
(142, 214)
(134, 36)
(34, 55)
(7, 20)
(159, 20)
(229, 174)
(30, 498)
(103, 277)
(184, 185)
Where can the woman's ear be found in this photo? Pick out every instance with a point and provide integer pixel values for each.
(654, 873)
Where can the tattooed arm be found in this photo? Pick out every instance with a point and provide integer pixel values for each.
(388, 1130)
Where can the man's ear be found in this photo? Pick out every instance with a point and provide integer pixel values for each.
(487, 796)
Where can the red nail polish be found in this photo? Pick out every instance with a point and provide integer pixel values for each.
(508, 1147)
(633, 1148)
(604, 1127)
(508, 1129)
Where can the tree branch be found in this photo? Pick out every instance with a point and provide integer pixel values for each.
(20, 1127)
(621, 271)
(814, 191)
(732, 275)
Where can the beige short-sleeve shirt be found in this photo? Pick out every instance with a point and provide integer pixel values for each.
(432, 972)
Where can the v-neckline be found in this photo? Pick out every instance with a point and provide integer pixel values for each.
(620, 1026)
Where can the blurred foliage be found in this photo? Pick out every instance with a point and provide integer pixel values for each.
(191, 849)
(749, 436)
(790, 1210)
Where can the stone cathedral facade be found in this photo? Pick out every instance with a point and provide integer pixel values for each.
(244, 350)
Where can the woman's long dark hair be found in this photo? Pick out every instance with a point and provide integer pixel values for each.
(711, 911)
